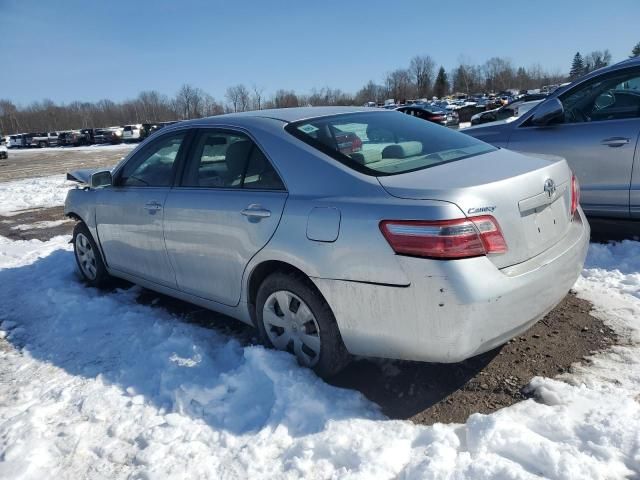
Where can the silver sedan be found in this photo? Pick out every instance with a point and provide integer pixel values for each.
(338, 231)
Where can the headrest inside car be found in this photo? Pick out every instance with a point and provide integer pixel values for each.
(367, 156)
(402, 150)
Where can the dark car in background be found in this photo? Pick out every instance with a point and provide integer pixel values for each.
(71, 138)
(112, 135)
(431, 113)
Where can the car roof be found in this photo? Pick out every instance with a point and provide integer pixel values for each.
(286, 115)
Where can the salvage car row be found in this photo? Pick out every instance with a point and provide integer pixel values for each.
(84, 136)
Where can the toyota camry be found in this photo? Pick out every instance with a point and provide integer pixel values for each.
(338, 231)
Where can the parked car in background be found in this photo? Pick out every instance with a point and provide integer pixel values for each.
(18, 140)
(147, 129)
(71, 138)
(132, 133)
(4, 152)
(112, 135)
(400, 240)
(88, 136)
(595, 124)
(432, 114)
(43, 139)
(513, 110)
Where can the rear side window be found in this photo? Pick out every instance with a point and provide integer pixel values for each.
(223, 159)
(386, 143)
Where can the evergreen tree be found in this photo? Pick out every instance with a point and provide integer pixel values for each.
(441, 85)
(577, 67)
(636, 51)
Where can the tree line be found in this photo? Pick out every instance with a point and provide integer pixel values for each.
(421, 78)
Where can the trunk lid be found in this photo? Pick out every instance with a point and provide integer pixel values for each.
(505, 184)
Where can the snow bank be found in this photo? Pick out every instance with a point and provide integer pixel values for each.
(95, 385)
(33, 193)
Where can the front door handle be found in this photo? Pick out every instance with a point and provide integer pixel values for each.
(256, 211)
(152, 207)
(615, 141)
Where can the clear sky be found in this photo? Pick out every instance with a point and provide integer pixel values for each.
(91, 49)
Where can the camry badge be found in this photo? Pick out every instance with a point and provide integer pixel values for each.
(550, 187)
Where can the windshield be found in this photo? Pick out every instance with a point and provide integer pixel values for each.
(386, 143)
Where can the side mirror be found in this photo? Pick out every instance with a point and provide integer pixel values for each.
(548, 112)
(100, 179)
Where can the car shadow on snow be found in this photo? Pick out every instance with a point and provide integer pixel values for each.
(185, 358)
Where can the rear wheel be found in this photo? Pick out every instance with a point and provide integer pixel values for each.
(292, 316)
(88, 257)
(42, 144)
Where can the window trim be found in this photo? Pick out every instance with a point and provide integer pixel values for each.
(184, 146)
(188, 156)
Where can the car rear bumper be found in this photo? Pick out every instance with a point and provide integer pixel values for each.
(453, 310)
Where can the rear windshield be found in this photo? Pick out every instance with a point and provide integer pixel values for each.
(386, 143)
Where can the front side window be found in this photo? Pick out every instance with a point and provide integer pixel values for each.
(223, 159)
(386, 143)
(153, 166)
(612, 97)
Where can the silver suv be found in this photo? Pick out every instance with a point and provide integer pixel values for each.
(594, 123)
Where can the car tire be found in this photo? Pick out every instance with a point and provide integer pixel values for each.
(42, 144)
(315, 340)
(89, 258)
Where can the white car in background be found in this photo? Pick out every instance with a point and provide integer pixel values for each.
(132, 133)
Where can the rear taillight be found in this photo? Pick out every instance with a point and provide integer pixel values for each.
(459, 238)
(575, 194)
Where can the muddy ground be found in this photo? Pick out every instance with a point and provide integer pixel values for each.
(421, 392)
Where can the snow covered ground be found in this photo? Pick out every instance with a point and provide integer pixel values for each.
(33, 193)
(95, 385)
(124, 147)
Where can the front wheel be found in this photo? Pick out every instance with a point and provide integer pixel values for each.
(88, 257)
(292, 316)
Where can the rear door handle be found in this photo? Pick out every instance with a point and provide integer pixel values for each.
(152, 207)
(615, 141)
(256, 211)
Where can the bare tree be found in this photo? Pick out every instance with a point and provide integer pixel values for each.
(188, 102)
(399, 84)
(371, 92)
(285, 99)
(257, 97)
(422, 70)
(238, 96)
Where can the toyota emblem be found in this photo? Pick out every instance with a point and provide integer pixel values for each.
(550, 187)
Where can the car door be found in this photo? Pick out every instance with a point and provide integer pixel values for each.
(598, 138)
(129, 214)
(226, 208)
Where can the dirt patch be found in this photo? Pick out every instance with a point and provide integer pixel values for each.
(430, 393)
(30, 163)
(39, 223)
